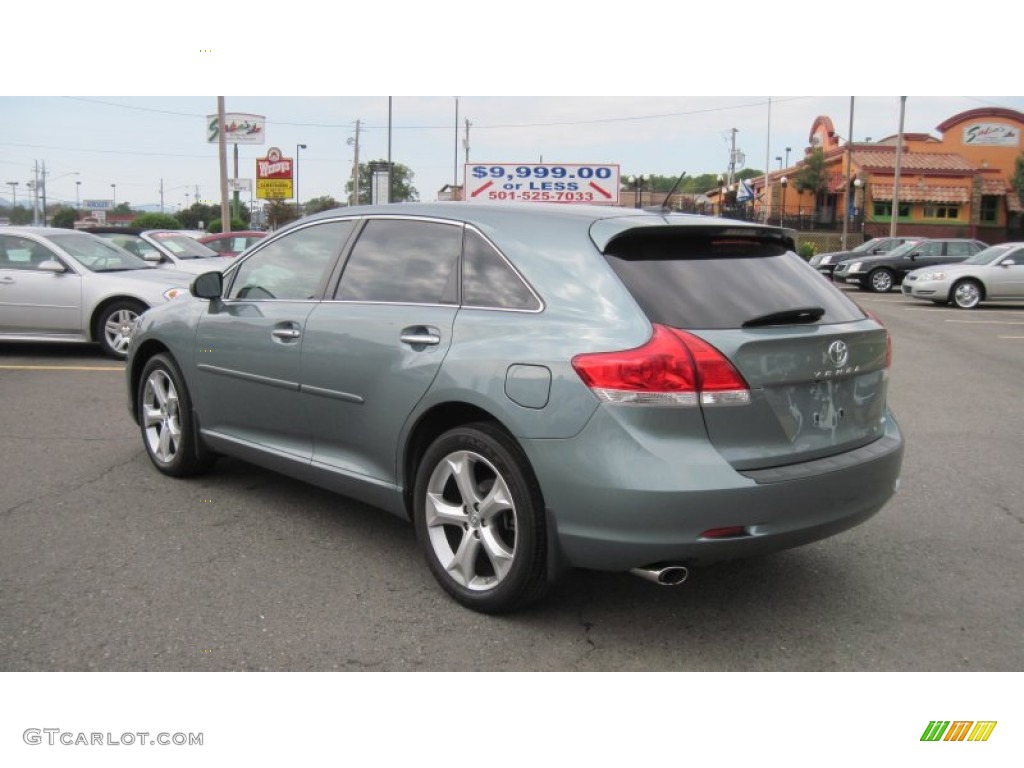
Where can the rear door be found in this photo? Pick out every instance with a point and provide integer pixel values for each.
(815, 364)
(33, 301)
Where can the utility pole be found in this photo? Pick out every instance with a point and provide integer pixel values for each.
(222, 153)
(465, 141)
(44, 193)
(846, 193)
(896, 179)
(732, 157)
(355, 165)
(161, 195)
(455, 163)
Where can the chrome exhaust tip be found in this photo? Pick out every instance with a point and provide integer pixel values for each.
(665, 575)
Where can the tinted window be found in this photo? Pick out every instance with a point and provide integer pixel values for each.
(402, 261)
(707, 282)
(960, 249)
(22, 253)
(489, 281)
(97, 254)
(293, 266)
(930, 249)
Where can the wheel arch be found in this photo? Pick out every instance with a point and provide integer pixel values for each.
(430, 425)
(142, 355)
(99, 309)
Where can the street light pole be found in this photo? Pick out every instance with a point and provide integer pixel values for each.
(14, 194)
(298, 205)
(783, 181)
(78, 190)
(114, 196)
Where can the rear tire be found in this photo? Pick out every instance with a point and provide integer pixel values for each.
(479, 519)
(167, 423)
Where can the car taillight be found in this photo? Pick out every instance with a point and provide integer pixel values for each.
(673, 368)
(888, 337)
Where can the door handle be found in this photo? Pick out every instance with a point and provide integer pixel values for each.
(7, 280)
(420, 335)
(286, 334)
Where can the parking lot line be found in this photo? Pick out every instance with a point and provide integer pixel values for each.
(987, 322)
(60, 368)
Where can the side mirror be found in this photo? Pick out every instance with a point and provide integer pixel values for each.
(152, 257)
(209, 285)
(912, 257)
(1008, 263)
(52, 265)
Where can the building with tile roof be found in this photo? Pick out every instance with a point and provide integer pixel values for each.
(958, 184)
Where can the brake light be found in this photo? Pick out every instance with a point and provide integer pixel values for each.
(673, 368)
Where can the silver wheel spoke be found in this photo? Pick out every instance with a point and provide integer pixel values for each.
(497, 501)
(463, 565)
(461, 466)
(440, 512)
(497, 552)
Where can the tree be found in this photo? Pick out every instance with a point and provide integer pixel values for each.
(813, 176)
(64, 217)
(198, 214)
(122, 208)
(318, 204)
(279, 213)
(402, 190)
(157, 221)
(1018, 177)
(214, 227)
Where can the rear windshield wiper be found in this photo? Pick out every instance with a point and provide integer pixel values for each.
(787, 317)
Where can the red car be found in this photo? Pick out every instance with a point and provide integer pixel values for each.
(231, 243)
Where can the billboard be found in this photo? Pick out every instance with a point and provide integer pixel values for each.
(239, 128)
(274, 176)
(542, 183)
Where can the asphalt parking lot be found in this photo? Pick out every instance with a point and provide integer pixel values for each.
(107, 565)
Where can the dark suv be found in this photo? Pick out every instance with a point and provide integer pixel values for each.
(880, 273)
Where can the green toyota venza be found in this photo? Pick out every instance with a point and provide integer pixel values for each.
(535, 386)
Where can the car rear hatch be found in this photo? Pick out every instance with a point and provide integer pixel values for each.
(815, 367)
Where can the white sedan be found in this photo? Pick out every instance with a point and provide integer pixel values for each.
(994, 274)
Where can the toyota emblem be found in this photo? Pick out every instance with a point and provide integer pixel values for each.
(838, 353)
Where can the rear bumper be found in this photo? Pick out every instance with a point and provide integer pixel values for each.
(617, 505)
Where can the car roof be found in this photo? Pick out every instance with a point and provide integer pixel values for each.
(605, 222)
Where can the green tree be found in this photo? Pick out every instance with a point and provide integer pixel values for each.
(279, 213)
(198, 216)
(122, 208)
(64, 217)
(402, 190)
(157, 221)
(318, 204)
(214, 227)
(1018, 177)
(813, 176)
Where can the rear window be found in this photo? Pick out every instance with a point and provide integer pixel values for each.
(714, 282)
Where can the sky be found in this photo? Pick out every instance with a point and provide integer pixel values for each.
(654, 92)
(138, 144)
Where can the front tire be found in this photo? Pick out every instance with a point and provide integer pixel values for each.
(166, 420)
(114, 326)
(479, 519)
(967, 294)
(880, 281)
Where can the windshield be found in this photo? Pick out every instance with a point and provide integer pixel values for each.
(97, 255)
(182, 246)
(989, 255)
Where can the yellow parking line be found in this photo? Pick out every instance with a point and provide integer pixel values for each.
(1010, 337)
(987, 322)
(59, 368)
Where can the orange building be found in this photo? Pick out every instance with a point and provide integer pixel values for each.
(956, 185)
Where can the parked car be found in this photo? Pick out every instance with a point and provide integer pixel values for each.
(825, 263)
(534, 386)
(994, 274)
(63, 285)
(163, 248)
(881, 273)
(231, 243)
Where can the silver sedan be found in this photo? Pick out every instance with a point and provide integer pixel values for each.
(994, 274)
(62, 285)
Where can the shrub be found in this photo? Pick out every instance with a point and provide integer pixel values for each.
(807, 250)
(156, 221)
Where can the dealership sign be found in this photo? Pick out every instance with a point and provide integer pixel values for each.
(542, 183)
(992, 135)
(239, 128)
(274, 176)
